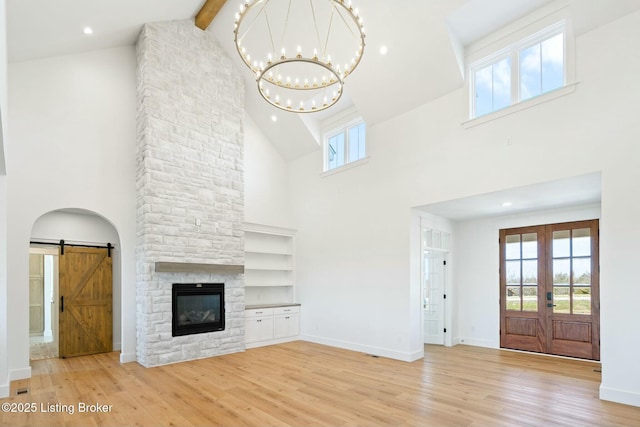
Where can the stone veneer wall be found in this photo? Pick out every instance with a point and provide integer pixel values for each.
(189, 168)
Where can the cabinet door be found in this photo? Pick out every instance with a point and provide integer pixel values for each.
(287, 325)
(258, 329)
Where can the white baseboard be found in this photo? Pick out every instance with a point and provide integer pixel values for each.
(376, 351)
(476, 342)
(619, 396)
(20, 374)
(128, 357)
(269, 342)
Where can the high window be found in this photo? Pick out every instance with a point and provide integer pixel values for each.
(523, 70)
(345, 145)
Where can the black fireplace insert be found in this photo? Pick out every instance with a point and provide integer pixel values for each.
(197, 308)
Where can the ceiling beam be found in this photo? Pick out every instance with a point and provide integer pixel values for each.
(208, 11)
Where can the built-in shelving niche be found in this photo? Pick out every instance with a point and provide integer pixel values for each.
(269, 265)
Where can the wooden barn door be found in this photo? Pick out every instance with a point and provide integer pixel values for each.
(85, 301)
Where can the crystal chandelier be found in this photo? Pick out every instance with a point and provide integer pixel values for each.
(300, 51)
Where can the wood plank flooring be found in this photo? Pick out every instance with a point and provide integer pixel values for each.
(305, 384)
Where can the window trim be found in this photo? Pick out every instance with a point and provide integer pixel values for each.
(346, 167)
(522, 105)
(520, 31)
(513, 51)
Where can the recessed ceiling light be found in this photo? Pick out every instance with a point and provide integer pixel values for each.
(87, 31)
(383, 50)
(274, 118)
(506, 204)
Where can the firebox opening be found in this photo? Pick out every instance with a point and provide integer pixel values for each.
(197, 308)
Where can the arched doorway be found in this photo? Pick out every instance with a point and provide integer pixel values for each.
(83, 234)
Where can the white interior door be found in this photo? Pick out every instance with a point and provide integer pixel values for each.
(433, 283)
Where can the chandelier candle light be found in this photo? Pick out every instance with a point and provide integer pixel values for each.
(300, 51)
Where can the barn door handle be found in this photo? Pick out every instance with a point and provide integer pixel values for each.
(62, 304)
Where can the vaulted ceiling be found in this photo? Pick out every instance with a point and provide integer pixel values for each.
(424, 40)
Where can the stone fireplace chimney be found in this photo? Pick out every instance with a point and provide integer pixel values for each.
(190, 187)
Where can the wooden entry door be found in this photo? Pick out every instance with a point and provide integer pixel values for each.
(86, 306)
(549, 289)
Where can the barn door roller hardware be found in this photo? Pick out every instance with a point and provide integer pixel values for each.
(109, 247)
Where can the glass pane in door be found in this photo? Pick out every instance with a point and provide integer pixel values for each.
(581, 271)
(581, 295)
(512, 247)
(581, 242)
(581, 300)
(530, 246)
(513, 298)
(529, 284)
(561, 285)
(561, 244)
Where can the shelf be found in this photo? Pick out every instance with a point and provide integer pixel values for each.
(267, 268)
(258, 252)
(269, 264)
(268, 284)
(268, 243)
(262, 261)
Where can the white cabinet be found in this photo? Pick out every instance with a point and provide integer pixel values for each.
(258, 325)
(286, 322)
(271, 325)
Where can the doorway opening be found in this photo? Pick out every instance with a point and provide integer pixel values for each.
(43, 313)
(549, 289)
(82, 306)
(435, 247)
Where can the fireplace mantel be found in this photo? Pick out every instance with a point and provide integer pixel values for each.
(191, 267)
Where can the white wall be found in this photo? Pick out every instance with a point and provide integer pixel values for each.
(3, 84)
(4, 344)
(72, 123)
(353, 260)
(265, 181)
(4, 381)
(86, 228)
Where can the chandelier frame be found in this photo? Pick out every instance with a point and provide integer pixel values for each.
(264, 68)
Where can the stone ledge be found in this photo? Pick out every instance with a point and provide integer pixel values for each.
(190, 267)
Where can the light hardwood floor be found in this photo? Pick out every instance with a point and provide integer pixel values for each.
(305, 384)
